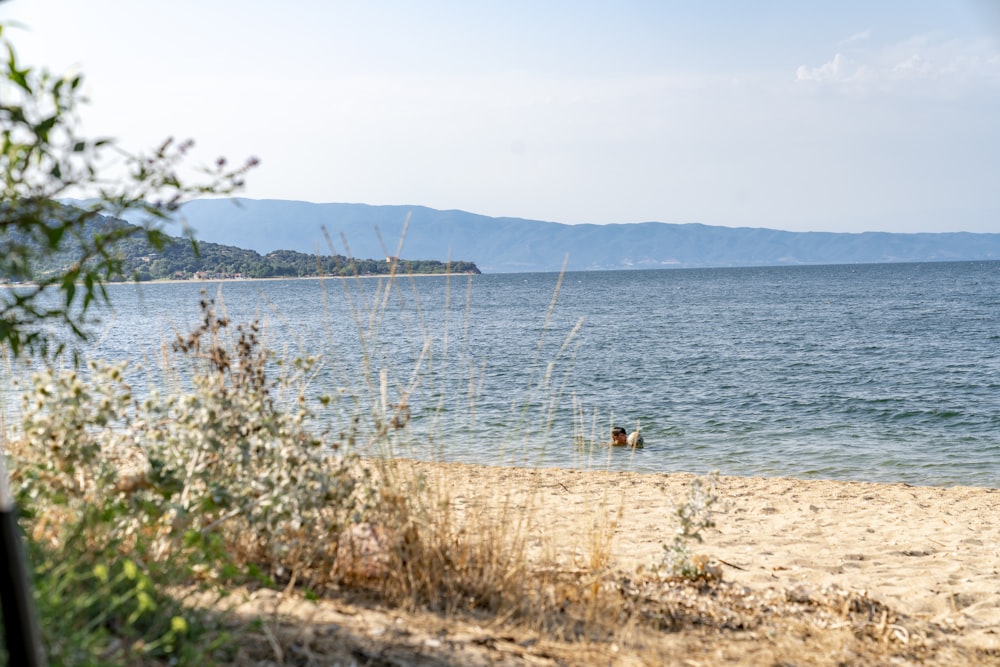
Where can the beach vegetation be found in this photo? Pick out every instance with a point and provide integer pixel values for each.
(226, 478)
(208, 485)
(693, 516)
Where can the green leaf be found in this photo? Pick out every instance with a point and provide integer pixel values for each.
(69, 289)
(55, 236)
(52, 246)
(42, 129)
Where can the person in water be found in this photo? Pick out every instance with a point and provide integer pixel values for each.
(621, 438)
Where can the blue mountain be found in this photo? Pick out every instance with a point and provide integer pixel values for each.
(499, 245)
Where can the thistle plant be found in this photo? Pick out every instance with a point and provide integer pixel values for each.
(223, 471)
(243, 464)
(693, 516)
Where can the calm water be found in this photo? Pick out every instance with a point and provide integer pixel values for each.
(874, 372)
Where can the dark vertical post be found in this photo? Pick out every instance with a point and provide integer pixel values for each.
(21, 635)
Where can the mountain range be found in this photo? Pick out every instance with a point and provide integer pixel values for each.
(503, 245)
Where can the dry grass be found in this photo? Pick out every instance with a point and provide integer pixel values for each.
(475, 582)
(465, 590)
(710, 626)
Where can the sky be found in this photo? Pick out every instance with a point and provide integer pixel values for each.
(849, 116)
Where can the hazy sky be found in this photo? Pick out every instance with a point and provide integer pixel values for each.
(834, 116)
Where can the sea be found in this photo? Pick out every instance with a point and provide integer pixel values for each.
(880, 372)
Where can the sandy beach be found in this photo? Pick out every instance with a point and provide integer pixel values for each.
(930, 554)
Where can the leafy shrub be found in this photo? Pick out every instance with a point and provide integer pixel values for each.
(219, 479)
(99, 608)
(217, 470)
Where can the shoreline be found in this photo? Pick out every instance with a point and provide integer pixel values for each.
(200, 281)
(183, 281)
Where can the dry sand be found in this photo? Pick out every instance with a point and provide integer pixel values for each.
(930, 553)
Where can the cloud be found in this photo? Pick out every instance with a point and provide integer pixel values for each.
(840, 69)
(923, 65)
(912, 66)
(857, 37)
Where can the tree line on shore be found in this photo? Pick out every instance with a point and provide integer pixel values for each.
(179, 258)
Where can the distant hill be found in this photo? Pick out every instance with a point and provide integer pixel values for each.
(513, 244)
(178, 258)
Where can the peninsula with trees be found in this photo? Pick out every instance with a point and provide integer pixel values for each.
(178, 258)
